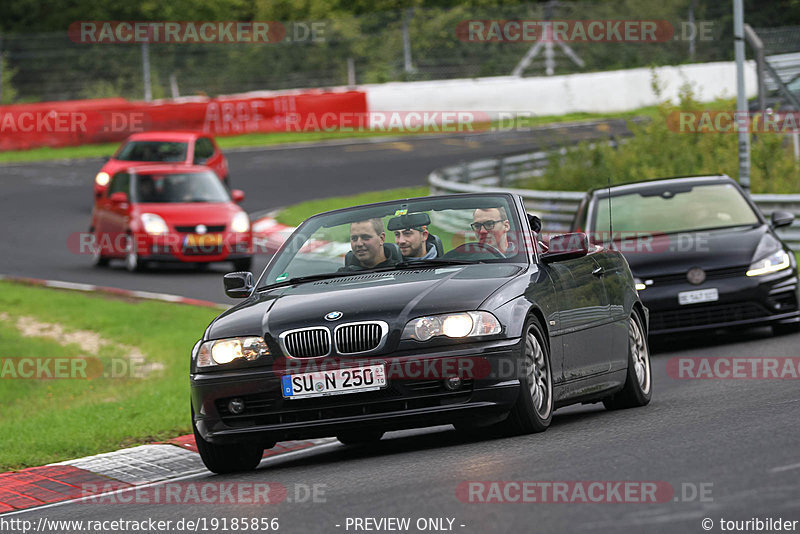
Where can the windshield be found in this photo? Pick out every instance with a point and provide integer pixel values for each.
(433, 231)
(153, 151)
(201, 186)
(681, 209)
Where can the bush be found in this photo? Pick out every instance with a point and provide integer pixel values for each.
(655, 151)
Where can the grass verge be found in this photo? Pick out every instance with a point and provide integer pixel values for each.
(50, 420)
(279, 138)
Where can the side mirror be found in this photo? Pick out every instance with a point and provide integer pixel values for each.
(566, 247)
(781, 218)
(237, 195)
(119, 198)
(238, 285)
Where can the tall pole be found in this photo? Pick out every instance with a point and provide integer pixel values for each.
(741, 101)
(408, 66)
(148, 94)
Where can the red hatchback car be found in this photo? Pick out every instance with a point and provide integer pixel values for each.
(170, 213)
(190, 148)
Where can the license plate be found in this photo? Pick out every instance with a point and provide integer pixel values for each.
(700, 295)
(334, 382)
(204, 240)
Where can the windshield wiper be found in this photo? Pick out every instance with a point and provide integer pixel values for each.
(432, 262)
(309, 278)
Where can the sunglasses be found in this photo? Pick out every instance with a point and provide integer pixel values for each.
(489, 225)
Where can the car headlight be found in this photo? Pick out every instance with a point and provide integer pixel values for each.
(102, 179)
(153, 224)
(777, 261)
(638, 284)
(465, 324)
(240, 222)
(222, 351)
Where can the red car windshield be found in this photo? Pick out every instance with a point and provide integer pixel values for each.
(179, 187)
(153, 151)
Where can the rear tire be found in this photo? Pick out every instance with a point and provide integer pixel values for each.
(360, 437)
(222, 459)
(533, 410)
(638, 387)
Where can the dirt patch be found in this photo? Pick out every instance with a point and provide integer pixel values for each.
(89, 342)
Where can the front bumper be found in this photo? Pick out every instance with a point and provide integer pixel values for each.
(742, 301)
(407, 402)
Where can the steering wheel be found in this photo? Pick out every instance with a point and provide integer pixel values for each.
(464, 249)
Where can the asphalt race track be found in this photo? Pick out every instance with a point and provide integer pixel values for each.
(727, 448)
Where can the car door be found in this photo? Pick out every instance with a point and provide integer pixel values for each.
(583, 316)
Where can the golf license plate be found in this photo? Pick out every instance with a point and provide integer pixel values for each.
(334, 382)
(700, 295)
(202, 240)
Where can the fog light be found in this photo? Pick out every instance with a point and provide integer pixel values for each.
(452, 383)
(236, 406)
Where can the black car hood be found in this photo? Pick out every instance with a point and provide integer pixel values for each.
(708, 249)
(394, 297)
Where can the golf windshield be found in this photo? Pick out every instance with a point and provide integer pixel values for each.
(684, 209)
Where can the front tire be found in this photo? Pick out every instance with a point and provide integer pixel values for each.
(222, 459)
(533, 410)
(785, 329)
(638, 387)
(98, 260)
(360, 437)
(133, 263)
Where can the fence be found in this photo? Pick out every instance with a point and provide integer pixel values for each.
(556, 208)
(400, 45)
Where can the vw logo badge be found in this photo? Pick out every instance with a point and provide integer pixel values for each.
(333, 316)
(696, 275)
(200, 229)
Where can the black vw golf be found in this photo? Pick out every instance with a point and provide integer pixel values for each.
(477, 325)
(703, 255)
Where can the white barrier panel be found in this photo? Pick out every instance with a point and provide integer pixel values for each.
(597, 92)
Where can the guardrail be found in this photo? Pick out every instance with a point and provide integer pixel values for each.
(556, 208)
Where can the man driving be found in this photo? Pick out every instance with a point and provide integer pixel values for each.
(491, 227)
(367, 240)
(411, 238)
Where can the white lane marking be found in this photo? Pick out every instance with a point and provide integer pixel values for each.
(784, 468)
(188, 476)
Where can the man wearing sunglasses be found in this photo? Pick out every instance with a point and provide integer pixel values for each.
(491, 227)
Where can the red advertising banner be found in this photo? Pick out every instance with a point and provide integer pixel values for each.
(80, 122)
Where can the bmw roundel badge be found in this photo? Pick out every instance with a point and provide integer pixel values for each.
(333, 316)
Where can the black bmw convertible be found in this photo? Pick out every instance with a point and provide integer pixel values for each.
(478, 325)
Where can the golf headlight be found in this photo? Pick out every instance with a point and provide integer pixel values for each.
(638, 284)
(102, 179)
(466, 324)
(240, 222)
(153, 224)
(222, 351)
(777, 261)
